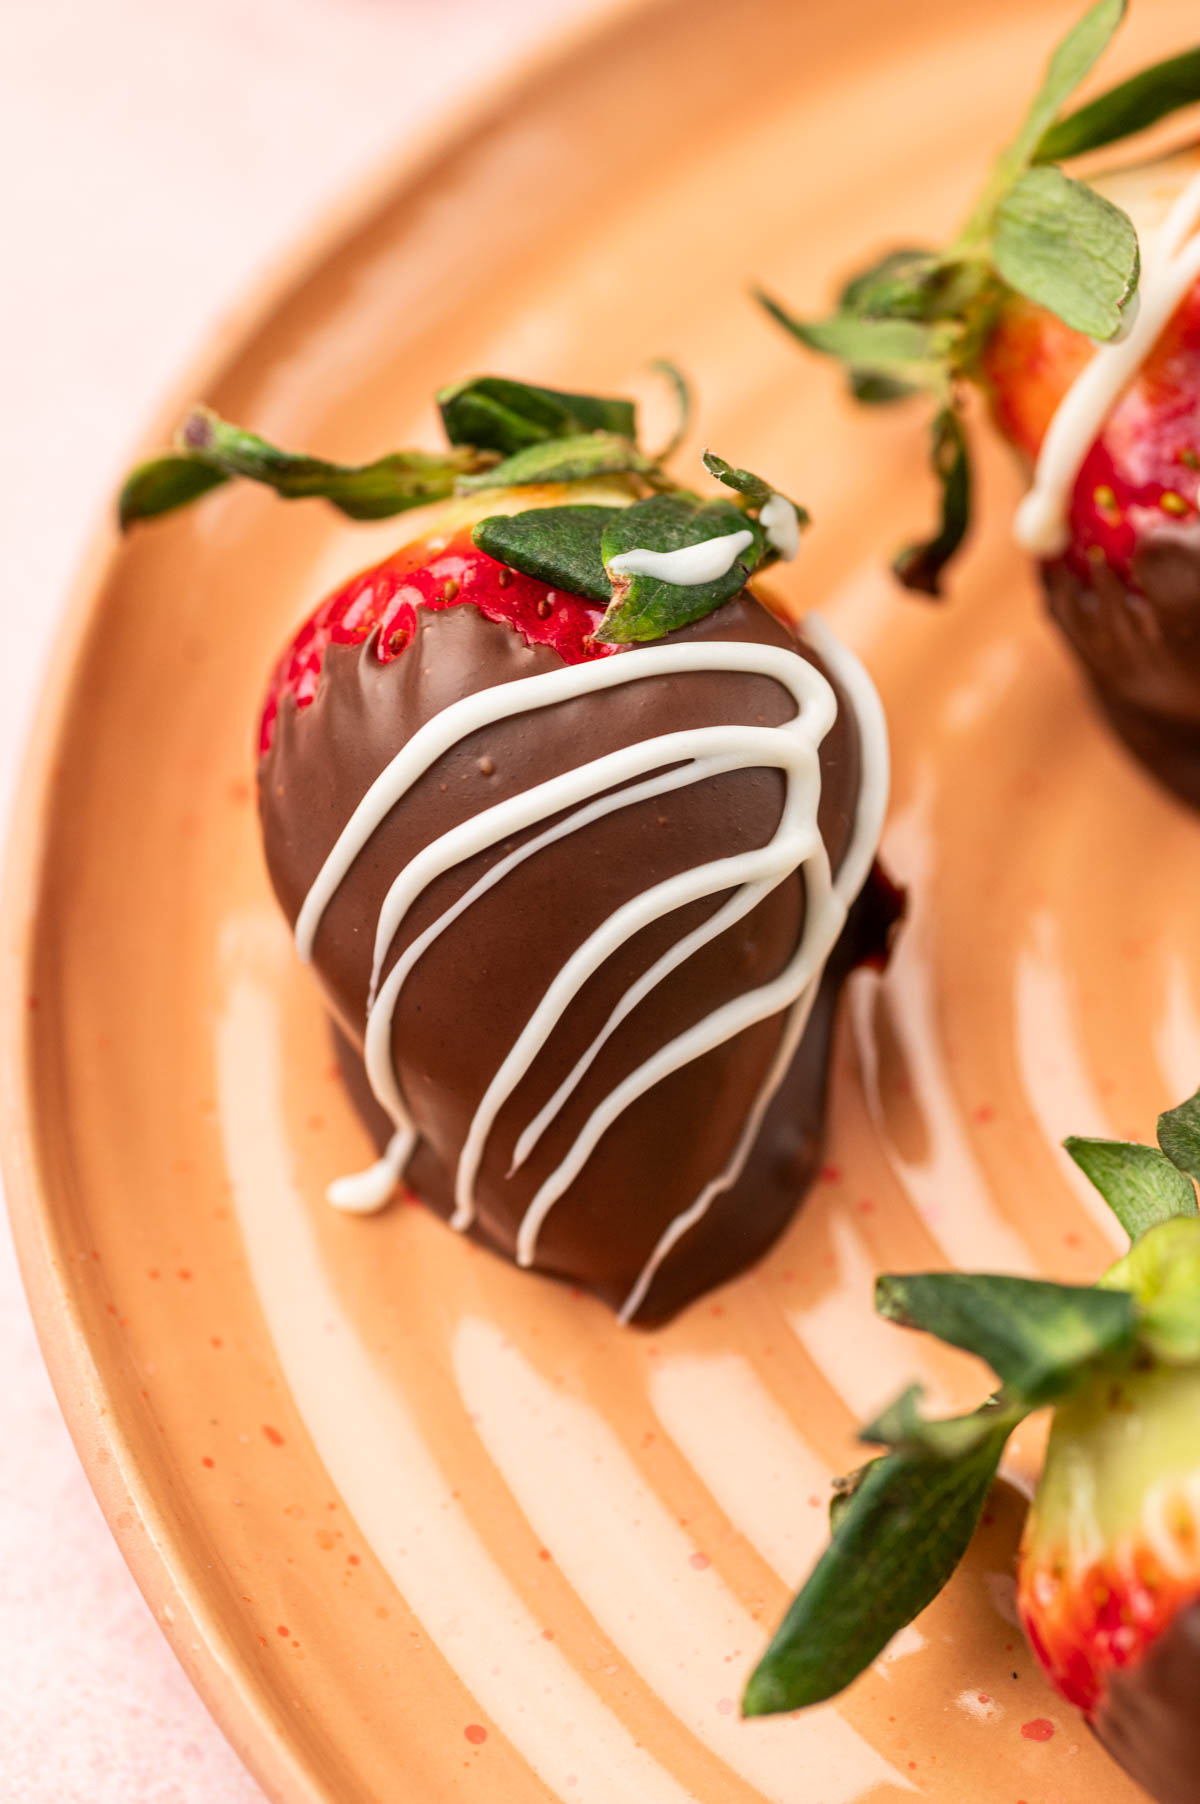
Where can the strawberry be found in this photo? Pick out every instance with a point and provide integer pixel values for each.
(444, 568)
(1044, 266)
(1109, 1564)
(1111, 1552)
(579, 934)
(1125, 588)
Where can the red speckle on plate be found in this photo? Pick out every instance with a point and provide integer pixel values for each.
(207, 1462)
(700, 1561)
(283, 1630)
(273, 1435)
(1040, 1729)
(476, 1734)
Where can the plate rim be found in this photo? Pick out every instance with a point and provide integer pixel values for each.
(84, 1394)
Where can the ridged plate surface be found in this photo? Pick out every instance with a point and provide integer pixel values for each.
(421, 1527)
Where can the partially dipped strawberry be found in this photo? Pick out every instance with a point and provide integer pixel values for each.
(1109, 1566)
(1109, 1574)
(1111, 1554)
(1037, 303)
(578, 835)
(1120, 534)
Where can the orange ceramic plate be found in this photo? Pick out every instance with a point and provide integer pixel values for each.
(419, 1526)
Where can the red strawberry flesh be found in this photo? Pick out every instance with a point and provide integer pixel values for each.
(1083, 1625)
(1143, 471)
(1111, 1556)
(433, 573)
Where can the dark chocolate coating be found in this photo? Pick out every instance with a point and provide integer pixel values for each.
(1150, 1717)
(466, 1000)
(1140, 644)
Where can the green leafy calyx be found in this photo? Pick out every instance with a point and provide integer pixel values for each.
(581, 548)
(916, 321)
(902, 1523)
(504, 434)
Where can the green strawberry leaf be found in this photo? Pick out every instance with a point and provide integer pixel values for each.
(902, 350)
(878, 391)
(920, 566)
(1067, 249)
(918, 320)
(683, 405)
(900, 1525)
(1179, 1135)
(904, 1429)
(162, 484)
(648, 607)
(903, 284)
(899, 1534)
(558, 545)
(1162, 1272)
(577, 459)
(1070, 64)
(1037, 1337)
(390, 485)
(547, 437)
(494, 413)
(755, 491)
(1139, 1183)
(1128, 108)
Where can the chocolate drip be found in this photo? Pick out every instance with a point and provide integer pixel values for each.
(476, 985)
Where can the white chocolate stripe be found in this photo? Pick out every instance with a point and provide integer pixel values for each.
(691, 757)
(687, 567)
(781, 523)
(505, 818)
(791, 846)
(582, 817)
(675, 1230)
(723, 749)
(874, 783)
(743, 903)
(722, 1024)
(1041, 525)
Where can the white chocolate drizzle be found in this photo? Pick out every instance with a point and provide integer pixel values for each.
(781, 523)
(1042, 525)
(704, 562)
(651, 768)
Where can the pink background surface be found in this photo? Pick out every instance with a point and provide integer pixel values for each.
(159, 156)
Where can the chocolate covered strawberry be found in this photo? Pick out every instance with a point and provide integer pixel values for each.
(578, 834)
(1109, 1566)
(1088, 351)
